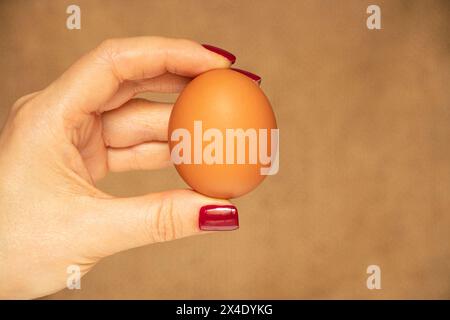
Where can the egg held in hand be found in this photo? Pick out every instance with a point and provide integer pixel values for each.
(223, 135)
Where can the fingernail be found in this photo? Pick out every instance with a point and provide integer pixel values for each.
(231, 57)
(252, 76)
(218, 218)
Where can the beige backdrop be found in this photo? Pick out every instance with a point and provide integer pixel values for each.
(364, 118)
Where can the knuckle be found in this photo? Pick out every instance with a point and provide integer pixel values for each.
(186, 42)
(107, 45)
(16, 106)
(136, 162)
(106, 130)
(107, 52)
(106, 138)
(23, 101)
(22, 116)
(162, 223)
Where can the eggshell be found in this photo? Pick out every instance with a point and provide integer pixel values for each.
(221, 99)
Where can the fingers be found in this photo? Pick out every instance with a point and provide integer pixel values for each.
(136, 136)
(166, 83)
(135, 122)
(126, 223)
(145, 156)
(94, 79)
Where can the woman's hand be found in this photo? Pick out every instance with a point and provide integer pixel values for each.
(57, 142)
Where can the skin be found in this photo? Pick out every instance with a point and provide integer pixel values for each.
(57, 142)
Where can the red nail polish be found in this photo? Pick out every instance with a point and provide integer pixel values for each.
(252, 76)
(218, 218)
(231, 57)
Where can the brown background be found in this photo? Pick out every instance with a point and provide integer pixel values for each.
(364, 118)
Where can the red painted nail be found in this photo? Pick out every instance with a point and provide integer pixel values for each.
(231, 57)
(252, 76)
(218, 218)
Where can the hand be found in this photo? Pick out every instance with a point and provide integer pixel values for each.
(57, 142)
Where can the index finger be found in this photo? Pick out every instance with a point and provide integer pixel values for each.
(89, 83)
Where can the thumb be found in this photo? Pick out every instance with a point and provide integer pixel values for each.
(118, 224)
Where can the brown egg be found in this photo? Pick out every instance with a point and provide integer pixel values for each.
(216, 131)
